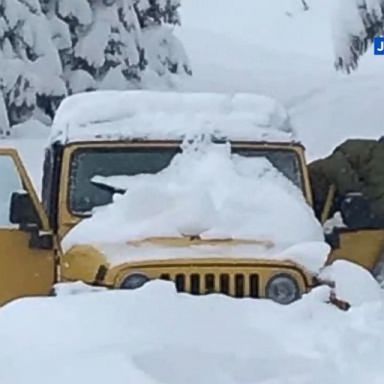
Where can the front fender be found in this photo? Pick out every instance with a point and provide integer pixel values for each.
(85, 263)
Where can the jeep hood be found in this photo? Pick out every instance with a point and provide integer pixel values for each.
(311, 255)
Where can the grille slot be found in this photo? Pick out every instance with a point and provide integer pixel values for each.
(254, 285)
(209, 283)
(180, 282)
(237, 285)
(195, 284)
(224, 283)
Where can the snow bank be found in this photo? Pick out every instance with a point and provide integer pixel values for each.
(353, 283)
(206, 191)
(154, 335)
(169, 115)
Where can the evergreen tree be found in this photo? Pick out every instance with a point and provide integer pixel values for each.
(305, 5)
(30, 69)
(52, 48)
(156, 12)
(358, 23)
(164, 52)
(105, 51)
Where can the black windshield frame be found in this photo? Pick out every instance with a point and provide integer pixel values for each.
(174, 148)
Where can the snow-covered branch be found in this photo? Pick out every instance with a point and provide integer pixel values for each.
(357, 23)
(51, 48)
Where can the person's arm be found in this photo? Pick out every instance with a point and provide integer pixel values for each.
(341, 174)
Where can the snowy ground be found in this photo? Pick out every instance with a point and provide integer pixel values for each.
(156, 336)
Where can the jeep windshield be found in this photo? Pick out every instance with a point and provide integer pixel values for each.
(88, 162)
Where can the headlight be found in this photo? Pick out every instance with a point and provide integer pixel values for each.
(283, 289)
(136, 280)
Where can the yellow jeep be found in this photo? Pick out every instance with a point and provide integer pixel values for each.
(31, 256)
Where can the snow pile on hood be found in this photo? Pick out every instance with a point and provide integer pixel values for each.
(155, 336)
(156, 115)
(206, 191)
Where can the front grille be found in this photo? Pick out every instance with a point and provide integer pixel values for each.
(236, 285)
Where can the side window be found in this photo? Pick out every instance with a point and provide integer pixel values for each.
(9, 182)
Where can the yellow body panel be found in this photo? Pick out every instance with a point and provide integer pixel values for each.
(82, 262)
(363, 247)
(24, 271)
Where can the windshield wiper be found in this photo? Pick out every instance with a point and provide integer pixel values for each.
(107, 187)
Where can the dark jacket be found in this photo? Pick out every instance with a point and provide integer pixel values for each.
(357, 165)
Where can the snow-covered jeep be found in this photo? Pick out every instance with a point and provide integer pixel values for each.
(209, 191)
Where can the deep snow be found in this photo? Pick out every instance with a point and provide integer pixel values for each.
(154, 335)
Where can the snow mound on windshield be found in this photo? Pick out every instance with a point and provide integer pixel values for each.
(116, 115)
(206, 191)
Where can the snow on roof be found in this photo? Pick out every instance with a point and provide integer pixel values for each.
(156, 115)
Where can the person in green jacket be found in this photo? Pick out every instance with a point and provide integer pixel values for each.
(355, 168)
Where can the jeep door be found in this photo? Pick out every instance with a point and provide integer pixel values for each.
(27, 261)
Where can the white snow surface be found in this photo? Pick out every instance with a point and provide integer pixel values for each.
(154, 335)
(352, 283)
(103, 115)
(206, 191)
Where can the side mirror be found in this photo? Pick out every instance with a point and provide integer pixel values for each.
(23, 211)
(356, 212)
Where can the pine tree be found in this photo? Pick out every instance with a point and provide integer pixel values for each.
(358, 23)
(52, 48)
(105, 49)
(30, 67)
(156, 12)
(164, 52)
(305, 5)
